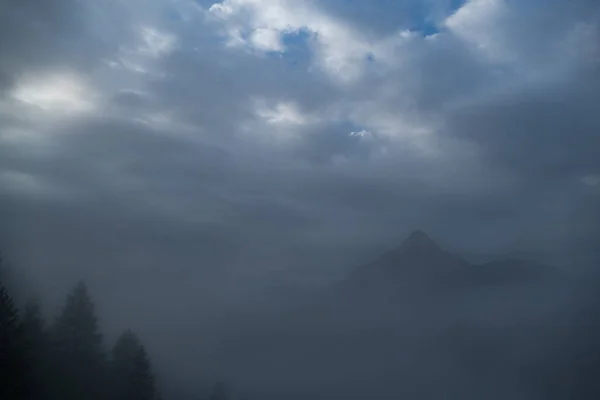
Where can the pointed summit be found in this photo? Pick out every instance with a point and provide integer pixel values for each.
(419, 240)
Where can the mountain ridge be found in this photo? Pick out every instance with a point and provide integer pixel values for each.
(420, 262)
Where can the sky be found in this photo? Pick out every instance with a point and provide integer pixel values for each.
(247, 132)
(172, 144)
(305, 123)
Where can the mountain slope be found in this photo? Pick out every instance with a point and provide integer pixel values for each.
(416, 322)
(421, 266)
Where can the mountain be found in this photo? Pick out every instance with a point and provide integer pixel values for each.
(417, 322)
(417, 254)
(420, 265)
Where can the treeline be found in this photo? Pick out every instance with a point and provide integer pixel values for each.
(66, 359)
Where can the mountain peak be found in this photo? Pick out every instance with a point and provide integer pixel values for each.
(419, 240)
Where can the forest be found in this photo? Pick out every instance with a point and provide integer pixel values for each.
(67, 358)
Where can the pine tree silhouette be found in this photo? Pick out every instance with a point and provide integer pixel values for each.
(37, 349)
(77, 351)
(13, 361)
(132, 373)
(143, 378)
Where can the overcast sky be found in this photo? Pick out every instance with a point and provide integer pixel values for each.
(236, 134)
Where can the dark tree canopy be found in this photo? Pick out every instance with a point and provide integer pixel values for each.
(34, 330)
(13, 352)
(131, 370)
(142, 377)
(77, 350)
(76, 328)
(67, 360)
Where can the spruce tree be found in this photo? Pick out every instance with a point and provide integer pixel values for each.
(142, 377)
(124, 350)
(76, 350)
(132, 373)
(35, 335)
(122, 363)
(13, 360)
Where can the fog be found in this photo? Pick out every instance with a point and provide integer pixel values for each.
(311, 199)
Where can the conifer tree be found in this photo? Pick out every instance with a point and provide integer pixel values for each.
(13, 360)
(76, 350)
(133, 378)
(37, 353)
(142, 377)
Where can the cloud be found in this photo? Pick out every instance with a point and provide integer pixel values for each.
(477, 22)
(54, 94)
(591, 180)
(264, 24)
(282, 113)
(156, 43)
(511, 36)
(26, 184)
(430, 99)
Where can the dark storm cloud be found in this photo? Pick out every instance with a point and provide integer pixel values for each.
(547, 132)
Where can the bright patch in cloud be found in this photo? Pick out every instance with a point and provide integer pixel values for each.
(155, 42)
(362, 133)
(283, 113)
(591, 180)
(477, 22)
(26, 184)
(262, 24)
(267, 40)
(60, 93)
(143, 54)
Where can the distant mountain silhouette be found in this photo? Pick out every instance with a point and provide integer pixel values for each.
(419, 241)
(414, 267)
(415, 322)
(420, 263)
